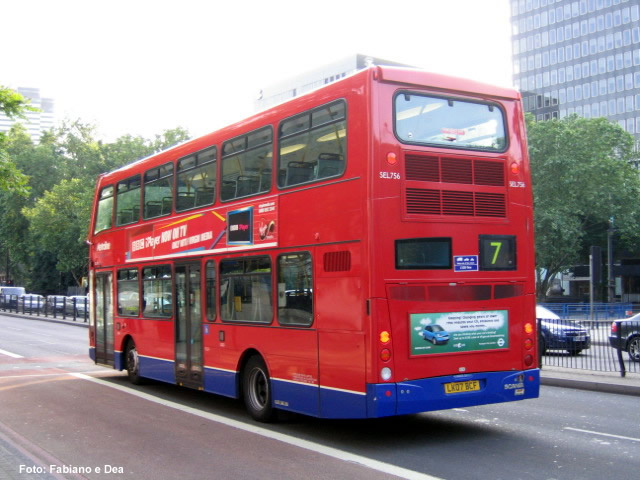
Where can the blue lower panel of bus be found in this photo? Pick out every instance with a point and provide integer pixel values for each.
(295, 396)
(342, 404)
(451, 392)
(221, 382)
(157, 369)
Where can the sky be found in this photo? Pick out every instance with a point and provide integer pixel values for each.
(141, 67)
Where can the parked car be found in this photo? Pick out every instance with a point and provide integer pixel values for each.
(9, 296)
(81, 305)
(556, 333)
(56, 303)
(625, 335)
(30, 302)
(435, 334)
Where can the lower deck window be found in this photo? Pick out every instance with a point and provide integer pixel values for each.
(295, 289)
(423, 253)
(128, 299)
(156, 291)
(246, 290)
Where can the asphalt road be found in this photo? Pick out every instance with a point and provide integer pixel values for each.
(57, 408)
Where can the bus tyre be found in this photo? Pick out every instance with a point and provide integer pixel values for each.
(133, 363)
(257, 390)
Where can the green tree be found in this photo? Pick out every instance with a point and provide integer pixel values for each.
(58, 224)
(582, 177)
(13, 105)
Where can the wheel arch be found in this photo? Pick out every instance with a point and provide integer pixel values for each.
(242, 363)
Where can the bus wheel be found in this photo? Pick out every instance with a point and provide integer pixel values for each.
(133, 363)
(257, 390)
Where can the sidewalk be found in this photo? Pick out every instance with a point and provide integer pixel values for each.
(608, 382)
(58, 319)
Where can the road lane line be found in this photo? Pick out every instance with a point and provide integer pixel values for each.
(603, 434)
(296, 442)
(14, 355)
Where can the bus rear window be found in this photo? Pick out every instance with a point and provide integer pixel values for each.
(449, 122)
(423, 253)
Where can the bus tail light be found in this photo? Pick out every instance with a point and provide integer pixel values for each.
(385, 355)
(528, 344)
(528, 360)
(392, 159)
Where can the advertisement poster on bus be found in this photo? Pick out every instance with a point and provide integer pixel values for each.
(449, 332)
(212, 231)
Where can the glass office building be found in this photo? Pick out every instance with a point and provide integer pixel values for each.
(578, 56)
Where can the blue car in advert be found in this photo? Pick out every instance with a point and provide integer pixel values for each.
(435, 334)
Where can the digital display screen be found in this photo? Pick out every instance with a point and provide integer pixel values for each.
(498, 252)
(240, 226)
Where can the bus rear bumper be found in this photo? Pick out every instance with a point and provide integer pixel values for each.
(454, 391)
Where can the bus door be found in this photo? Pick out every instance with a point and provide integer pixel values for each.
(188, 326)
(104, 318)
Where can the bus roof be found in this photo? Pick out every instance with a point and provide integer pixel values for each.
(399, 75)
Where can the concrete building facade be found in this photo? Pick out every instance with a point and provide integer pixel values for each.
(578, 57)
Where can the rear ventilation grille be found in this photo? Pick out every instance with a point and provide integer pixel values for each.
(463, 171)
(432, 199)
(446, 202)
(337, 261)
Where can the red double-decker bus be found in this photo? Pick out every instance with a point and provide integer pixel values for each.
(364, 250)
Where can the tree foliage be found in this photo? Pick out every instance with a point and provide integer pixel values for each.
(43, 230)
(13, 105)
(583, 179)
(58, 224)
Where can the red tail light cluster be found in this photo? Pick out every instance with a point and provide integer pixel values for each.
(385, 355)
(528, 343)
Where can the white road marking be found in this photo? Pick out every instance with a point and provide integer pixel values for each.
(297, 442)
(9, 354)
(603, 434)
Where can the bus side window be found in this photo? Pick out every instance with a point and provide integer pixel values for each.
(128, 201)
(197, 175)
(247, 164)
(295, 289)
(313, 145)
(104, 215)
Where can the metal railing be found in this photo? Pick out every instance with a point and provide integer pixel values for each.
(56, 306)
(600, 339)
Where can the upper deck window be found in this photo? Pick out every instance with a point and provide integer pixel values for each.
(247, 164)
(158, 191)
(449, 122)
(197, 175)
(128, 201)
(104, 217)
(313, 145)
